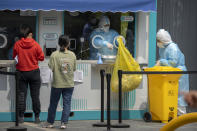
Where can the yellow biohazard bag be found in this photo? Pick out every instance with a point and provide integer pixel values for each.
(125, 62)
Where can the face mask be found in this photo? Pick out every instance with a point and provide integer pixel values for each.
(105, 28)
(160, 45)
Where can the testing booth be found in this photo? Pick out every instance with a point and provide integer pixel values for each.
(135, 20)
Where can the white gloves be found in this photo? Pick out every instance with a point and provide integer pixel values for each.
(109, 45)
(157, 63)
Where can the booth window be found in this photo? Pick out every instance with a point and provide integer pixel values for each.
(74, 23)
(9, 29)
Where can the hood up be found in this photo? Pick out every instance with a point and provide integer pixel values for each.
(26, 43)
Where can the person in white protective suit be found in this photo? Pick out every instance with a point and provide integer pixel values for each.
(103, 41)
(171, 55)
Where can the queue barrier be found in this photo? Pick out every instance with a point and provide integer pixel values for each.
(147, 115)
(16, 127)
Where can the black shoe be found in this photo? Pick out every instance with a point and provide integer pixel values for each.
(71, 114)
(37, 120)
(21, 120)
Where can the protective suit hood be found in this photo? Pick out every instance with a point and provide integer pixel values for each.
(163, 36)
(104, 23)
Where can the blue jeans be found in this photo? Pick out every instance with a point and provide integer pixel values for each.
(54, 99)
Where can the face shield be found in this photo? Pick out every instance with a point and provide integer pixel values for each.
(106, 28)
(104, 23)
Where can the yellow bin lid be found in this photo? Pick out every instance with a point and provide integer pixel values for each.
(162, 68)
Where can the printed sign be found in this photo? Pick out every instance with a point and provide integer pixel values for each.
(127, 18)
(49, 21)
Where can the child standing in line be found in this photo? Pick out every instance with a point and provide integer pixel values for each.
(63, 64)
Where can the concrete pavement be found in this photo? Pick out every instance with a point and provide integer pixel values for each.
(86, 125)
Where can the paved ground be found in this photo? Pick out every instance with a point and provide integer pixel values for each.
(86, 125)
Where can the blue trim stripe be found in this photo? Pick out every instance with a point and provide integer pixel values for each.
(83, 67)
(152, 38)
(80, 115)
(128, 101)
(62, 22)
(37, 25)
(133, 98)
(136, 24)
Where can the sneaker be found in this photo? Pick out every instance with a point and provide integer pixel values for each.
(71, 114)
(63, 126)
(37, 120)
(21, 120)
(48, 125)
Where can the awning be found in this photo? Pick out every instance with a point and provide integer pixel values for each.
(80, 5)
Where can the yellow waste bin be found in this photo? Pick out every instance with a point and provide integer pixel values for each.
(163, 94)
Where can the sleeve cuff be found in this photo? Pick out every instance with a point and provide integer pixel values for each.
(163, 62)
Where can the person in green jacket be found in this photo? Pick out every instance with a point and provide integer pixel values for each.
(63, 64)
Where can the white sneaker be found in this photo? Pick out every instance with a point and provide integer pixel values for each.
(48, 125)
(63, 126)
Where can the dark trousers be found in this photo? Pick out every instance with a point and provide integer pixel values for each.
(54, 99)
(31, 78)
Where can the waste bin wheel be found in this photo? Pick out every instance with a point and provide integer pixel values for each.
(147, 117)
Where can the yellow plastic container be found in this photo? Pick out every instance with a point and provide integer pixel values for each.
(163, 93)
